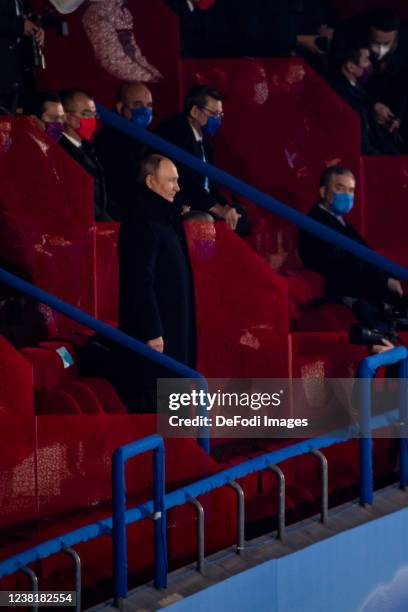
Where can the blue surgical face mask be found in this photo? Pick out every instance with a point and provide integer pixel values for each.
(342, 203)
(142, 116)
(213, 125)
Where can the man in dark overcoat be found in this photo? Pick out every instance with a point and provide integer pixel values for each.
(156, 292)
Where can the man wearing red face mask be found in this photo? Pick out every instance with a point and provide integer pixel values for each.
(81, 124)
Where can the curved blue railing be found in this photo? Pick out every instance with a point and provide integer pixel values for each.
(252, 194)
(366, 373)
(180, 496)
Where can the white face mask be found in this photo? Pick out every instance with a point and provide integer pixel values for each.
(380, 51)
(67, 6)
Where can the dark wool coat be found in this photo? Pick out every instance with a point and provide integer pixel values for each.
(345, 275)
(156, 295)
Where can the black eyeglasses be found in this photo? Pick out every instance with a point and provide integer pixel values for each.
(217, 115)
(86, 114)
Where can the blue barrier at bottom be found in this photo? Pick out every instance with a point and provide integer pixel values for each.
(120, 456)
(171, 500)
(366, 372)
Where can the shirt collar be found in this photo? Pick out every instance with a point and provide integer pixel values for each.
(338, 217)
(196, 133)
(190, 5)
(72, 140)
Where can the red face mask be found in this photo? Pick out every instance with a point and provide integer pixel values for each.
(87, 127)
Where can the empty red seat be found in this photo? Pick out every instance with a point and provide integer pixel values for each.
(48, 368)
(57, 401)
(66, 352)
(83, 395)
(106, 394)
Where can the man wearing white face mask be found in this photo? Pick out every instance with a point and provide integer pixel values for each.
(386, 83)
(348, 77)
(388, 67)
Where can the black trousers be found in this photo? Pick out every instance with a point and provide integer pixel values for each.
(9, 101)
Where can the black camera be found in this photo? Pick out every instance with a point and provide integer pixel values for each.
(369, 337)
(57, 23)
(47, 21)
(398, 312)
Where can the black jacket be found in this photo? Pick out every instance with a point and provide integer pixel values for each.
(121, 157)
(177, 130)
(375, 140)
(11, 38)
(156, 295)
(388, 83)
(198, 30)
(345, 274)
(85, 156)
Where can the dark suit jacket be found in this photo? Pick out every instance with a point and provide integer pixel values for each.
(177, 130)
(198, 38)
(375, 140)
(11, 33)
(387, 84)
(345, 275)
(85, 156)
(155, 282)
(121, 157)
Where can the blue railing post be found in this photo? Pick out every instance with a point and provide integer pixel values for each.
(403, 415)
(366, 442)
(366, 373)
(120, 569)
(160, 534)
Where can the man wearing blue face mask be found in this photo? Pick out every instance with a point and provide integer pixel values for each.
(346, 276)
(193, 131)
(120, 155)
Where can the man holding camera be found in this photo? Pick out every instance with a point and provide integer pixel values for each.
(365, 288)
(19, 38)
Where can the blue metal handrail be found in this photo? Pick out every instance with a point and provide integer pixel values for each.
(181, 496)
(105, 330)
(250, 193)
(366, 373)
(120, 456)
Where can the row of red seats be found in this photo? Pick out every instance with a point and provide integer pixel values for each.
(59, 390)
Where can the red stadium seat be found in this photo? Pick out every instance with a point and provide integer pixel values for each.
(57, 401)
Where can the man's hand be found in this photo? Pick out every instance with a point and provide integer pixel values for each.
(382, 348)
(326, 31)
(33, 31)
(39, 37)
(156, 344)
(394, 126)
(29, 28)
(383, 114)
(229, 214)
(395, 286)
(308, 42)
